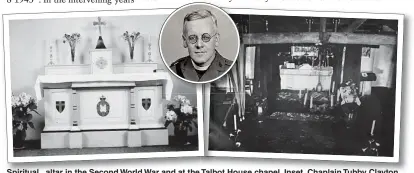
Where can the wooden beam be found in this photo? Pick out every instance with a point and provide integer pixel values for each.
(313, 37)
(322, 24)
(354, 25)
(322, 30)
(366, 39)
(279, 38)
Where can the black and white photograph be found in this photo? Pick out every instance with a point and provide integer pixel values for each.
(199, 42)
(310, 85)
(92, 85)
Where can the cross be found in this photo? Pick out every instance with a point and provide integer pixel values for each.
(146, 101)
(60, 105)
(99, 23)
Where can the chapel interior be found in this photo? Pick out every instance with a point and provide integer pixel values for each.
(283, 94)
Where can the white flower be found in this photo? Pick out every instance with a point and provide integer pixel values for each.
(187, 109)
(186, 102)
(171, 116)
(25, 99)
(15, 101)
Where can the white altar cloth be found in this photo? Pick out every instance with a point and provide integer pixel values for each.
(127, 77)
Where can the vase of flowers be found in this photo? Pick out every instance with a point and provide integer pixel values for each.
(182, 115)
(72, 40)
(23, 107)
(350, 101)
(131, 38)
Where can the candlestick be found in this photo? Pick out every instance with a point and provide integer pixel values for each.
(306, 97)
(311, 102)
(149, 49)
(338, 94)
(373, 127)
(235, 123)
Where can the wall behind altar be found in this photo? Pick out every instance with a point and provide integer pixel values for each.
(30, 41)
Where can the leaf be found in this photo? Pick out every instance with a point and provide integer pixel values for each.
(36, 112)
(195, 124)
(167, 123)
(16, 125)
(31, 125)
(24, 126)
(32, 106)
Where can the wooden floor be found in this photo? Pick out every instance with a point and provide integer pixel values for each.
(307, 137)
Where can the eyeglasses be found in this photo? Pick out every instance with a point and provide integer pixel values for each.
(193, 39)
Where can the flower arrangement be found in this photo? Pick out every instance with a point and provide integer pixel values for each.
(72, 40)
(348, 92)
(182, 114)
(131, 38)
(23, 106)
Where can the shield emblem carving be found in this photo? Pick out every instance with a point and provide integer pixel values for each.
(60, 106)
(103, 107)
(146, 103)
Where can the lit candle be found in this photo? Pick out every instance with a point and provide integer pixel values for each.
(373, 127)
(306, 97)
(311, 102)
(235, 123)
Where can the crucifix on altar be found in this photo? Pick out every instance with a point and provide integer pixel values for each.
(99, 23)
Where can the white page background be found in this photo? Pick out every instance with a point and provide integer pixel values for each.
(376, 6)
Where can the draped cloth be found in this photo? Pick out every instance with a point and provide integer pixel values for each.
(236, 76)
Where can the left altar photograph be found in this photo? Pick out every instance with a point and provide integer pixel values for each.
(86, 86)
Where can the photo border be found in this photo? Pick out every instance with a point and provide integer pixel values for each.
(300, 156)
(102, 13)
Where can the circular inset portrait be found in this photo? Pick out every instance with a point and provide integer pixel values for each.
(199, 43)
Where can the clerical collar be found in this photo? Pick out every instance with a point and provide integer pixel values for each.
(205, 67)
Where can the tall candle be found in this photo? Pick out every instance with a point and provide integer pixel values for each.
(373, 127)
(311, 102)
(338, 94)
(300, 94)
(333, 86)
(332, 100)
(235, 122)
(306, 97)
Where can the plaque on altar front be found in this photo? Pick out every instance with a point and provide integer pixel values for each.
(101, 61)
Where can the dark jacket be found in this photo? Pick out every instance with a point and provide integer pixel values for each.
(184, 68)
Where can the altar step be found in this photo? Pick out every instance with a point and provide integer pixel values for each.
(104, 138)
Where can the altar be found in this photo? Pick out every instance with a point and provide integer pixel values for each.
(101, 103)
(114, 110)
(301, 79)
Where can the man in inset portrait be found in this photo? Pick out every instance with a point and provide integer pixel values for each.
(201, 38)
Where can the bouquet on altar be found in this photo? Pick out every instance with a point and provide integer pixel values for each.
(181, 113)
(131, 38)
(72, 40)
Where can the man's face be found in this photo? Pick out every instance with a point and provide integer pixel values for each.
(201, 51)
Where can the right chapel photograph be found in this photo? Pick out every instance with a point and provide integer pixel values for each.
(310, 85)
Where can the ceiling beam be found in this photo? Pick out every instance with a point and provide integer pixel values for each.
(313, 37)
(354, 25)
